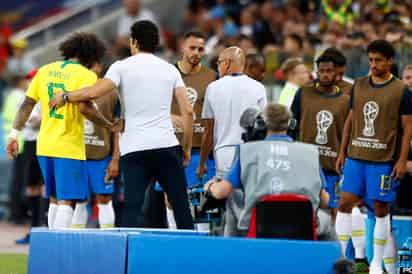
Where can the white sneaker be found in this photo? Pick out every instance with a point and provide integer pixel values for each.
(374, 269)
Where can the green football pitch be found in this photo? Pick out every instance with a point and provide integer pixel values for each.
(13, 264)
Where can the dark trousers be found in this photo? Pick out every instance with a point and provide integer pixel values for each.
(163, 165)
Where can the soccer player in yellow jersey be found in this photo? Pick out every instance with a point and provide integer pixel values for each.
(60, 144)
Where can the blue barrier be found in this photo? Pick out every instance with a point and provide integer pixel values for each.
(209, 255)
(134, 250)
(77, 252)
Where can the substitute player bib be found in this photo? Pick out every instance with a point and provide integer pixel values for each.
(375, 120)
(196, 85)
(322, 120)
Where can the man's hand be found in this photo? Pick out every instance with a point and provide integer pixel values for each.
(201, 170)
(57, 101)
(206, 187)
(113, 168)
(409, 167)
(12, 148)
(186, 158)
(339, 164)
(399, 170)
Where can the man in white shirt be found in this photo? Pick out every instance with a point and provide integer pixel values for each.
(296, 75)
(225, 101)
(148, 145)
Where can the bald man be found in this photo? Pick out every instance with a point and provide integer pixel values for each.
(255, 66)
(225, 101)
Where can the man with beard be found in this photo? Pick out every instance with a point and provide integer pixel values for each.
(196, 78)
(320, 109)
(375, 143)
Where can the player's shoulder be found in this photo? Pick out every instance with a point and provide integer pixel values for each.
(208, 71)
(361, 80)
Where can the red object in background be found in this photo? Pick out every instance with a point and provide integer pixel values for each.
(31, 73)
(5, 49)
(279, 75)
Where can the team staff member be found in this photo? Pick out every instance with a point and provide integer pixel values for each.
(60, 144)
(148, 145)
(320, 109)
(373, 165)
(226, 100)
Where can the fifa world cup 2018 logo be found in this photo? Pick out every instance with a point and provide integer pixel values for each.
(370, 113)
(324, 120)
(192, 97)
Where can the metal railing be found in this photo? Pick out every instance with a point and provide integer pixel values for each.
(67, 21)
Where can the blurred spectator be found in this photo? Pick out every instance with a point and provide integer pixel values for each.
(11, 106)
(19, 63)
(133, 12)
(296, 75)
(407, 76)
(355, 53)
(5, 33)
(255, 66)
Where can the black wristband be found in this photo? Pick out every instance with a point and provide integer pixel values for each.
(65, 96)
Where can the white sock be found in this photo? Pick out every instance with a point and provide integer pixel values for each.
(106, 215)
(51, 215)
(390, 255)
(358, 233)
(63, 217)
(171, 218)
(380, 237)
(80, 215)
(343, 229)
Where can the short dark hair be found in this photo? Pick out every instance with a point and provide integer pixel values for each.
(254, 58)
(340, 59)
(84, 46)
(325, 59)
(196, 34)
(146, 34)
(295, 37)
(383, 47)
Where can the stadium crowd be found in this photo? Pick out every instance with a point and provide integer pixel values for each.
(304, 48)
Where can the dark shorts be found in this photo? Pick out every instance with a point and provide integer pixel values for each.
(31, 168)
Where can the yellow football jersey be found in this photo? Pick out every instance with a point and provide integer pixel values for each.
(61, 131)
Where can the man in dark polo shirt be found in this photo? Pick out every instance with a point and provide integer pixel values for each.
(320, 109)
(375, 144)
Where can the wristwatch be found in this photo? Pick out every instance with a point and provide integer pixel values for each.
(65, 96)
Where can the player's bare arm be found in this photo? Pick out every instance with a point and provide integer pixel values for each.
(186, 111)
(102, 87)
(24, 113)
(113, 168)
(22, 116)
(399, 169)
(206, 146)
(344, 144)
(87, 109)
